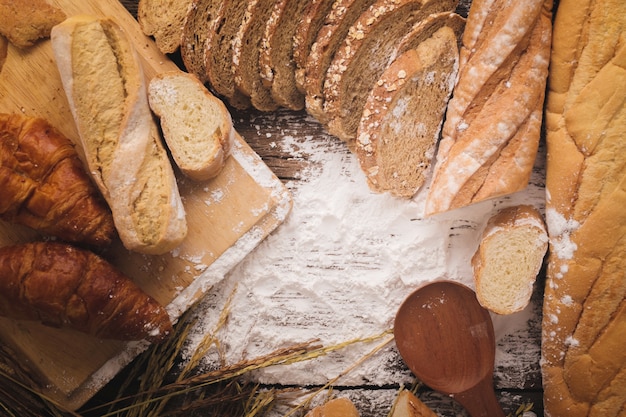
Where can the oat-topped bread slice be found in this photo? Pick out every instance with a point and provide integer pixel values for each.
(198, 24)
(218, 52)
(403, 114)
(309, 25)
(334, 30)
(164, 20)
(246, 51)
(276, 56)
(365, 54)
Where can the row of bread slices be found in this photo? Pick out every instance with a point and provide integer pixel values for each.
(377, 73)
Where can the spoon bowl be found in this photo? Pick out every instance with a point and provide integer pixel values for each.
(446, 339)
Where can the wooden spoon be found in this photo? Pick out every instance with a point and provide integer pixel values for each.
(446, 339)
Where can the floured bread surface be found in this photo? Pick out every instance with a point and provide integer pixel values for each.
(196, 125)
(584, 311)
(403, 115)
(103, 81)
(508, 259)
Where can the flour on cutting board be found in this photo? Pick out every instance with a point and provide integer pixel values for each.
(339, 267)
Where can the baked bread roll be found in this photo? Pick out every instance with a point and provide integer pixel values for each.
(104, 84)
(63, 286)
(584, 310)
(44, 185)
(403, 114)
(408, 405)
(164, 20)
(508, 259)
(338, 407)
(493, 121)
(196, 125)
(25, 22)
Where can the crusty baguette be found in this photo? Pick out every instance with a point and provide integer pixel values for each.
(363, 56)
(196, 125)
(63, 286)
(104, 84)
(164, 20)
(584, 310)
(25, 22)
(502, 75)
(403, 113)
(408, 405)
(508, 258)
(44, 185)
(338, 407)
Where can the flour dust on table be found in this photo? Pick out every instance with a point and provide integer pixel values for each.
(338, 269)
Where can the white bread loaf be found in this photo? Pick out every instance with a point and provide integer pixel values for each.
(492, 127)
(104, 84)
(408, 405)
(402, 116)
(338, 407)
(584, 316)
(508, 259)
(196, 125)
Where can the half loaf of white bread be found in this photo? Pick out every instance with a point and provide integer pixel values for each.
(493, 121)
(104, 84)
(584, 311)
(510, 254)
(196, 125)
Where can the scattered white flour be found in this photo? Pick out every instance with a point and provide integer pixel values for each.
(338, 269)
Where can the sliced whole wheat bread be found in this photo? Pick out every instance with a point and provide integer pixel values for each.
(200, 18)
(403, 114)
(365, 54)
(164, 20)
(276, 61)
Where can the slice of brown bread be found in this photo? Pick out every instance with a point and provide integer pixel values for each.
(200, 19)
(246, 51)
(365, 54)
(276, 61)
(218, 52)
(403, 114)
(309, 25)
(334, 30)
(164, 20)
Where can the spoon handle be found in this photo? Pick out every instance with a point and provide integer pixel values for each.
(480, 400)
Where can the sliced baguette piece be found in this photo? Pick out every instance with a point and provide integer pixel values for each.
(218, 52)
(403, 114)
(510, 254)
(196, 125)
(276, 61)
(246, 52)
(309, 25)
(408, 405)
(104, 84)
(363, 56)
(163, 20)
(502, 76)
(338, 407)
(198, 25)
(342, 15)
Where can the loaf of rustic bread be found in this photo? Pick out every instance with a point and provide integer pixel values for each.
(508, 258)
(44, 185)
(492, 126)
(25, 22)
(103, 81)
(584, 315)
(196, 125)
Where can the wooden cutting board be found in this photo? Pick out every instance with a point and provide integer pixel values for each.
(227, 217)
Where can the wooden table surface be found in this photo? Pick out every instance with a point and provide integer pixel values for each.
(516, 383)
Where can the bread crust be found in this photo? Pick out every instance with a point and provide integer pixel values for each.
(106, 92)
(502, 75)
(584, 311)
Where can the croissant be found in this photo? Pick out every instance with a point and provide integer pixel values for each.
(44, 185)
(64, 286)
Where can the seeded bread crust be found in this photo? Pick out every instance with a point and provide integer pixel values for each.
(336, 25)
(164, 20)
(246, 52)
(402, 116)
(364, 54)
(308, 27)
(276, 60)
